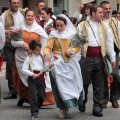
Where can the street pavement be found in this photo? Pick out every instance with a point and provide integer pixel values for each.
(9, 110)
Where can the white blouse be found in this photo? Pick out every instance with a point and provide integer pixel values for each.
(37, 64)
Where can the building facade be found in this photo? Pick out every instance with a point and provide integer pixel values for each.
(58, 5)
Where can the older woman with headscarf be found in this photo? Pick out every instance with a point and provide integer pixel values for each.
(66, 78)
(30, 31)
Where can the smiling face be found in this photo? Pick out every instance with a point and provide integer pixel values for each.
(106, 9)
(60, 25)
(29, 18)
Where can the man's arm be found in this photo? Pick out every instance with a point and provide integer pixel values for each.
(110, 46)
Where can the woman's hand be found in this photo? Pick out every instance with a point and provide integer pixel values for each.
(68, 53)
(25, 46)
(47, 58)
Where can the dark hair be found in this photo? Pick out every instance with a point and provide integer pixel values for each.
(114, 12)
(39, 2)
(64, 11)
(28, 11)
(62, 19)
(73, 20)
(33, 44)
(4, 9)
(94, 9)
(88, 6)
(48, 10)
(104, 3)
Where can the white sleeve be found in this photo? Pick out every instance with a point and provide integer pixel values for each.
(25, 67)
(2, 36)
(43, 39)
(78, 16)
(119, 30)
(16, 43)
(110, 45)
(79, 29)
(2, 19)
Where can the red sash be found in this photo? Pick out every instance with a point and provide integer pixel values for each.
(94, 52)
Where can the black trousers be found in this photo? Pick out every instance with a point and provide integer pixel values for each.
(92, 72)
(10, 59)
(115, 85)
(37, 94)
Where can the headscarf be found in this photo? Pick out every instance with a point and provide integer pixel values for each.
(69, 31)
(38, 30)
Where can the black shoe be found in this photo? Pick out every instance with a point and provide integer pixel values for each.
(82, 108)
(115, 104)
(20, 102)
(104, 105)
(10, 96)
(97, 114)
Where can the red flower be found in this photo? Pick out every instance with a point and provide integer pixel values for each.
(55, 57)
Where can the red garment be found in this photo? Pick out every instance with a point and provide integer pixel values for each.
(94, 52)
(41, 77)
(40, 22)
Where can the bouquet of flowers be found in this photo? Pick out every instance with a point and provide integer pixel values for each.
(51, 63)
(78, 40)
(49, 28)
(15, 34)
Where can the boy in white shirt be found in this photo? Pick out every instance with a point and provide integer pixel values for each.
(32, 66)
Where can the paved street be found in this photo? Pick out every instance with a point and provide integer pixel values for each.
(9, 110)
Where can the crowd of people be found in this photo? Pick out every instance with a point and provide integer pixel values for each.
(38, 80)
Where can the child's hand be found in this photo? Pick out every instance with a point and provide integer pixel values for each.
(35, 76)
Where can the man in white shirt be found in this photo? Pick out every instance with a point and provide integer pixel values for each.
(115, 85)
(99, 41)
(11, 18)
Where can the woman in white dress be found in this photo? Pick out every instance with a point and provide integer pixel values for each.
(66, 78)
(30, 31)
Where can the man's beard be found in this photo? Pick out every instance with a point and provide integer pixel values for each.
(107, 14)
